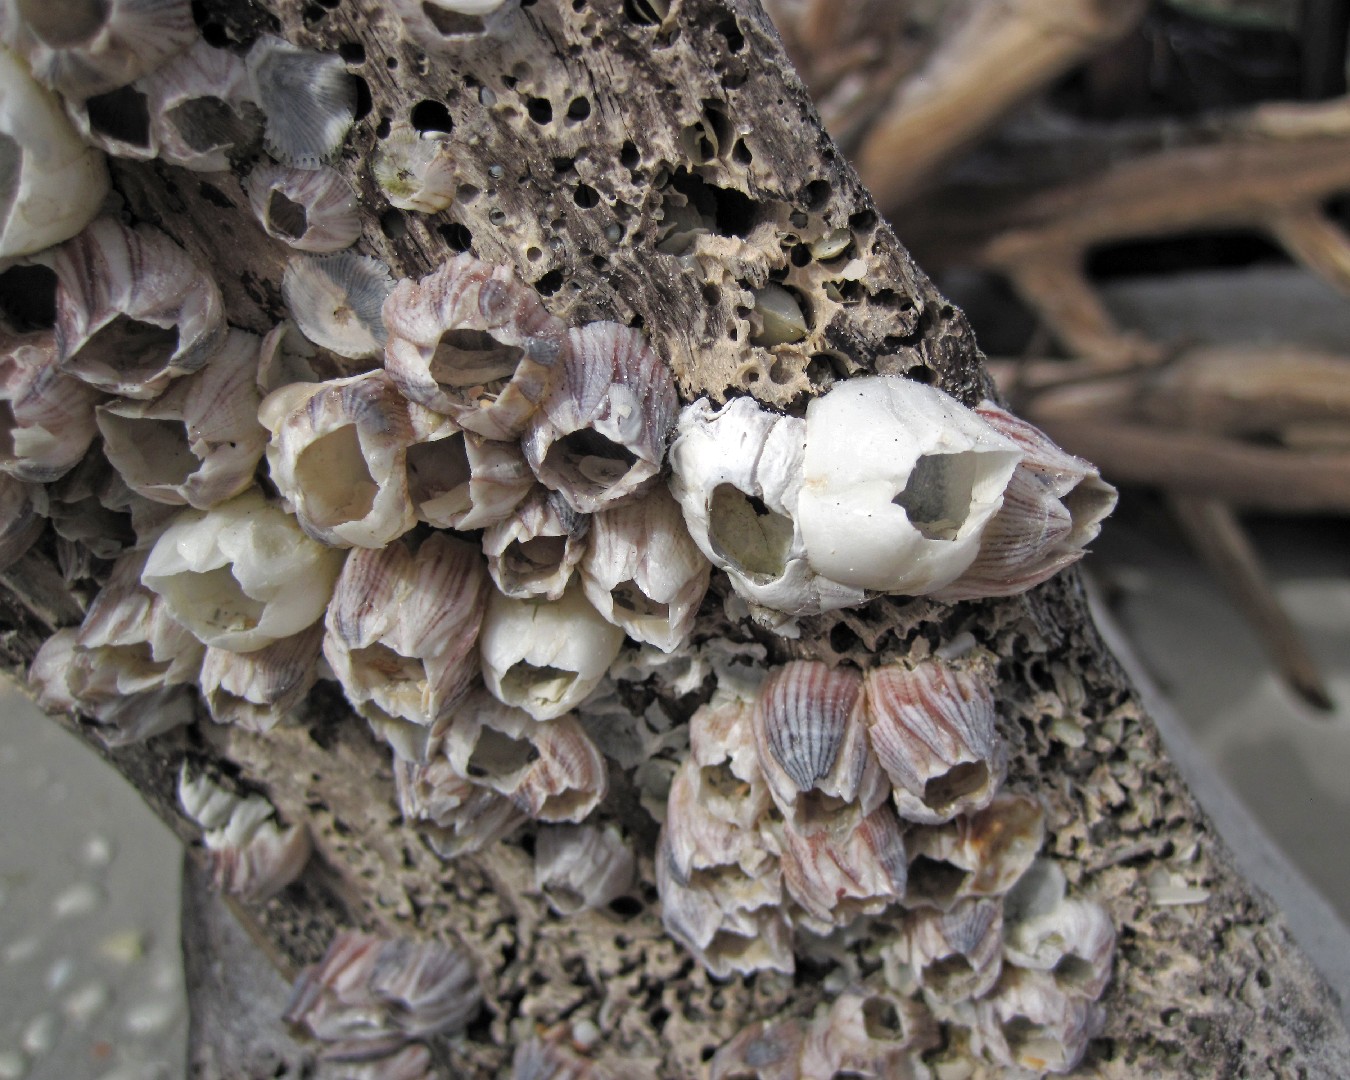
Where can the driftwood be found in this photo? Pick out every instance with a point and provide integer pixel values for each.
(679, 165)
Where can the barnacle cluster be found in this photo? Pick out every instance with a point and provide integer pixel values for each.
(480, 521)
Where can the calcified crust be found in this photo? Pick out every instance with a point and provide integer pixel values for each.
(473, 342)
(242, 575)
(337, 455)
(934, 731)
(21, 523)
(642, 571)
(257, 690)
(308, 98)
(54, 184)
(534, 551)
(581, 867)
(401, 631)
(132, 310)
(336, 301)
(197, 443)
(46, 417)
(459, 480)
(601, 433)
(313, 210)
(89, 47)
(416, 171)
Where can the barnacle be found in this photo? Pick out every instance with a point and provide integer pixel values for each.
(336, 301)
(309, 209)
(47, 417)
(308, 98)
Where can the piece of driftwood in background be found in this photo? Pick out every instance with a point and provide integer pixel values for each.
(593, 206)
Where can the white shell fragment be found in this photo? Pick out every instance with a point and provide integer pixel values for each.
(415, 170)
(48, 417)
(899, 483)
(309, 100)
(336, 301)
(642, 571)
(473, 342)
(257, 690)
(601, 433)
(198, 442)
(581, 867)
(401, 632)
(312, 210)
(337, 456)
(459, 480)
(52, 184)
(133, 311)
(545, 656)
(242, 575)
(534, 551)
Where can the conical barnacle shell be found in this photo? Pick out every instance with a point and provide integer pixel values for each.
(257, 690)
(933, 728)
(454, 815)
(309, 100)
(549, 768)
(731, 921)
(1052, 509)
(459, 480)
(21, 521)
(837, 875)
(534, 551)
(241, 575)
(371, 990)
(471, 341)
(601, 432)
(899, 482)
(983, 853)
(202, 112)
(200, 441)
(401, 629)
(416, 171)
(955, 955)
(545, 656)
(868, 1034)
(132, 309)
(642, 572)
(1028, 1022)
(288, 357)
(54, 184)
(736, 472)
(47, 417)
(336, 301)
(813, 746)
(713, 819)
(761, 1051)
(309, 209)
(582, 867)
(338, 456)
(92, 46)
(1073, 939)
(721, 731)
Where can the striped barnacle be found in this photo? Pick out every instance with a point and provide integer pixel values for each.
(453, 814)
(534, 551)
(459, 480)
(308, 98)
(20, 521)
(336, 300)
(258, 690)
(309, 209)
(47, 417)
(582, 867)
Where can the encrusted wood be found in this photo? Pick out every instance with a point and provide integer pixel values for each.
(679, 165)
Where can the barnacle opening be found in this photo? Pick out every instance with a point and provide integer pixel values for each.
(158, 448)
(589, 461)
(881, 1020)
(440, 470)
(138, 658)
(498, 754)
(947, 975)
(127, 346)
(27, 293)
(933, 880)
(566, 805)
(63, 23)
(747, 534)
(212, 601)
(629, 599)
(541, 684)
(718, 781)
(207, 123)
(473, 358)
(379, 663)
(122, 115)
(938, 494)
(737, 947)
(1031, 1045)
(537, 557)
(333, 474)
(1074, 971)
(566, 900)
(7, 426)
(286, 217)
(956, 783)
(1090, 500)
(816, 809)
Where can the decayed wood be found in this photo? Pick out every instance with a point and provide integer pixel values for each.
(582, 204)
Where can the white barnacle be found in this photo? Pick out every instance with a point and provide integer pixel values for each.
(899, 483)
(416, 170)
(309, 209)
(202, 112)
(336, 301)
(1029, 1022)
(51, 184)
(242, 574)
(308, 98)
(1047, 931)
(582, 867)
(46, 416)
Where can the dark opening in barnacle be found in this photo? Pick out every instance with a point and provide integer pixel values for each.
(815, 809)
(122, 115)
(207, 122)
(541, 684)
(435, 469)
(956, 783)
(938, 494)
(541, 554)
(747, 534)
(63, 23)
(285, 216)
(159, 448)
(946, 976)
(333, 474)
(881, 1020)
(934, 881)
(127, 346)
(1030, 1042)
(1074, 971)
(472, 358)
(631, 600)
(591, 462)
(720, 781)
(497, 754)
(384, 664)
(27, 293)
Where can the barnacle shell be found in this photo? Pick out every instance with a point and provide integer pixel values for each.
(313, 210)
(736, 472)
(862, 1034)
(1029, 1022)
(459, 480)
(582, 867)
(840, 873)
(202, 109)
(1052, 509)
(46, 417)
(198, 442)
(642, 572)
(21, 521)
(337, 455)
(132, 309)
(534, 551)
(309, 100)
(933, 728)
(401, 630)
(88, 47)
(545, 656)
(86, 507)
(473, 342)
(416, 171)
(336, 301)
(955, 955)
(600, 434)
(1071, 938)
(257, 690)
(899, 482)
(454, 814)
(53, 184)
(978, 854)
(241, 575)
(761, 1051)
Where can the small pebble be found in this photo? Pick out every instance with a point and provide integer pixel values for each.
(150, 1017)
(40, 1035)
(96, 852)
(17, 952)
(585, 1034)
(78, 900)
(13, 1065)
(86, 1002)
(59, 973)
(123, 947)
